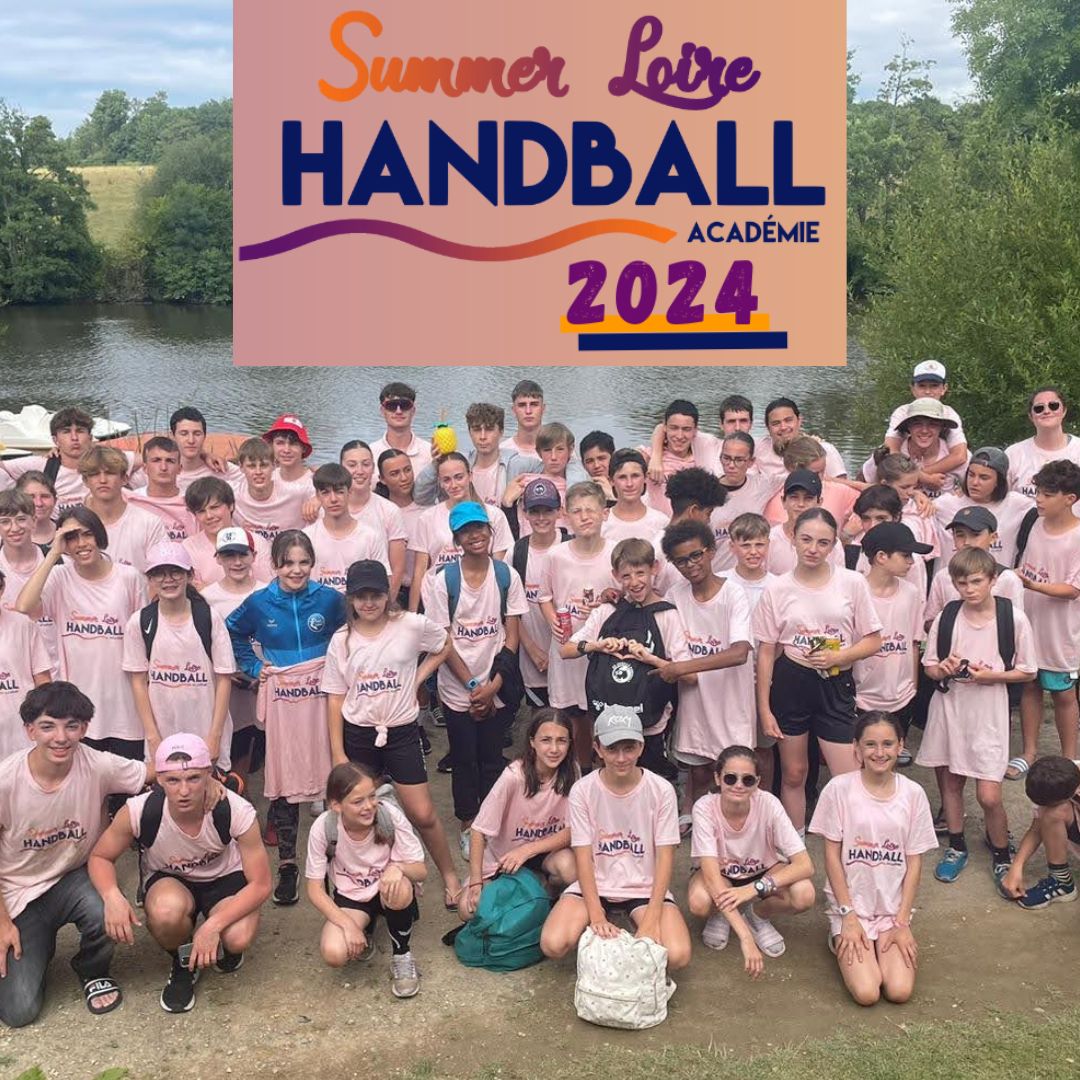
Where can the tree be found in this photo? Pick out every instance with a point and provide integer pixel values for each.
(103, 137)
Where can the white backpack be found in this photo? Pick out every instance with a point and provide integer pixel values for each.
(622, 982)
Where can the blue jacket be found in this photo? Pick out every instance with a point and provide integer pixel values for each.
(290, 627)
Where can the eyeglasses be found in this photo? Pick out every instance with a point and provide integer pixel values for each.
(689, 560)
(746, 779)
(1042, 407)
(398, 404)
(167, 573)
(727, 459)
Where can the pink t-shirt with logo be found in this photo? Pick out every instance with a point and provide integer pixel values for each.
(71, 489)
(181, 676)
(791, 613)
(383, 516)
(22, 656)
(750, 498)
(178, 520)
(877, 837)
(283, 510)
(782, 557)
(533, 622)
(942, 591)
(765, 838)
(359, 865)
(334, 555)
(1055, 622)
(508, 818)
(650, 527)
(378, 675)
(14, 580)
(623, 832)
(477, 628)
(1009, 512)
(202, 857)
(90, 618)
(886, 680)
(485, 482)
(133, 535)
(1026, 459)
(241, 699)
(434, 538)
(719, 711)
(44, 834)
(207, 568)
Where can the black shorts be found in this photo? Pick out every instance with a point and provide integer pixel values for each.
(251, 739)
(132, 749)
(400, 760)
(373, 908)
(902, 715)
(206, 894)
(806, 704)
(626, 907)
(537, 696)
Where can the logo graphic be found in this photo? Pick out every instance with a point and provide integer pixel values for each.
(622, 672)
(316, 622)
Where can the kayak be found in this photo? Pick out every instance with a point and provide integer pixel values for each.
(27, 432)
(223, 444)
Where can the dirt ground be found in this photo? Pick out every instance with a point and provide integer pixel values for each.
(286, 1014)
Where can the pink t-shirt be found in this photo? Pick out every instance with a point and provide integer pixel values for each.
(748, 499)
(181, 676)
(1055, 622)
(187, 477)
(672, 464)
(359, 865)
(44, 834)
(623, 832)
(411, 516)
(477, 628)
(765, 838)
(876, 837)
(953, 478)
(334, 555)
(241, 698)
(838, 499)
(433, 535)
(485, 482)
(22, 656)
(886, 680)
(15, 579)
(90, 618)
(1009, 513)
(771, 464)
(508, 818)
(418, 452)
(650, 527)
(207, 568)
(924, 529)
(267, 517)
(133, 535)
(1026, 459)
(719, 711)
(562, 581)
(384, 517)
(202, 857)
(782, 557)
(942, 590)
(533, 622)
(71, 490)
(915, 576)
(178, 520)
(378, 675)
(791, 614)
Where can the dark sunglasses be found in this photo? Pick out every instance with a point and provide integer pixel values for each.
(398, 404)
(1053, 406)
(731, 779)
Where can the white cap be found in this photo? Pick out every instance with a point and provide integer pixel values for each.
(927, 370)
(617, 723)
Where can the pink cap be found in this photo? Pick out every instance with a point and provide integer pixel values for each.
(182, 743)
(168, 553)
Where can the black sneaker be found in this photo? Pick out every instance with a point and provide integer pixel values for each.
(437, 714)
(287, 891)
(443, 764)
(425, 742)
(179, 993)
(228, 962)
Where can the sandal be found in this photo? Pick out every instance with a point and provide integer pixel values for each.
(93, 989)
(1016, 768)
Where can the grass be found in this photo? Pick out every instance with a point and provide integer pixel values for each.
(114, 189)
(992, 1049)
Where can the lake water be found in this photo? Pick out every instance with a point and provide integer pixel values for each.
(138, 362)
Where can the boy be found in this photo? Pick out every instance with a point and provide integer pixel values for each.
(694, 495)
(527, 405)
(967, 734)
(181, 680)
(746, 489)
(131, 530)
(630, 516)
(624, 830)
(878, 505)
(555, 445)
(1049, 567)
(338, 538)
(24, 664)
(188, 428)
(266, 505)
(736, 414)
(838, 498)
(292, 446)
(52, 812)
(596, 450)
(802, 491)
(19, 558)
(162, 495)
(784, 423)
(887, 681)
(928, 381)
(677, 451)
(192, 870)
(1053, 785)
(397, 403)
(211, 501)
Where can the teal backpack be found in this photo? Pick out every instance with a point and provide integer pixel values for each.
(504, 934)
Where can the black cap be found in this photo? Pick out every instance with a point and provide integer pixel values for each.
(892, 536)
(803, 480)
(976, 518)
(367, 574)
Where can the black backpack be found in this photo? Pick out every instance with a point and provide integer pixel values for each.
(1006, 635)
(612, 680)
(200, 614)
(519, 558)
(150, 820)
(1027, 523)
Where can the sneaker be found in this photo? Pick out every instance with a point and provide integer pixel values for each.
(999, 870)
(228, 962)
(443, 764)
(941, 826)
(904, 758)
(425, 742)
(769, 940)
(437, 715)
(717, 932)
(465, 841)
(1046, 892)
(179, 993)
(317, 807)
(405, 976)
(950, 865)
(287, 891)
(369, 948)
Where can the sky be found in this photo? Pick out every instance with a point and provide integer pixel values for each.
(59, 55)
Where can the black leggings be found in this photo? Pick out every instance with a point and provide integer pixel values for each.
(476, 757)
(286, 818)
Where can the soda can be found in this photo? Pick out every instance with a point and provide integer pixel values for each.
(565, 620)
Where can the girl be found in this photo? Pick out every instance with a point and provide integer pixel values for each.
(876, 826)
(753, 862)
(1046, 411)
(524, 819)
(434, 544)
(803, 452)
(812, 624)
(374, 866)
(397, 485)
(372, 674)
(630, 518)
(43, 491)
(900, 473)
(373, 510)
(292, 621)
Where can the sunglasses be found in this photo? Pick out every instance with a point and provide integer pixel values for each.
(730, 779)
(398, 404)
(1039, 409)
(689, 560)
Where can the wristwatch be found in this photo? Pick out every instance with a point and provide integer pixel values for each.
(472, 684)
(582, 648)
(761, 888)
(844, 910)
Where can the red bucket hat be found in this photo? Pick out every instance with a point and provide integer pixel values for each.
(288, 422)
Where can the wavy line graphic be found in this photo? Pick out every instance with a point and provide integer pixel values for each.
(311, 234)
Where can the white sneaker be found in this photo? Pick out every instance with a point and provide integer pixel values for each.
(317, 807)
(717, 932)
(405, 976)
(769, 940)
(465, 841)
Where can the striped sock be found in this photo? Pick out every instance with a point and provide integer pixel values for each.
(1060, 872)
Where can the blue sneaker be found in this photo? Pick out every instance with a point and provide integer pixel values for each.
(951, 865)
(1046, 892)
